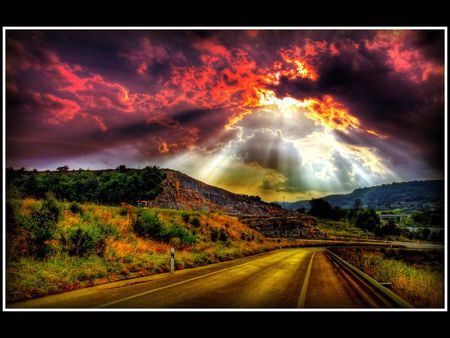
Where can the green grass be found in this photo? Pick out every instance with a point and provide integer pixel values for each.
(94, 243)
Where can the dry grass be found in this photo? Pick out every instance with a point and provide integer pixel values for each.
(126, 254)
(419, 280)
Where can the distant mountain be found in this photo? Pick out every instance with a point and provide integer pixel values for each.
(415, 195)
(180, 191)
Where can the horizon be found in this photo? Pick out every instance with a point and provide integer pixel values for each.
(288, 115)
(266, 201)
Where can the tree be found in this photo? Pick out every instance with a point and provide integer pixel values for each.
(122, 168)
(63, 168)
(391, 228)
(108, 187)
(320, 208)
(367, 219)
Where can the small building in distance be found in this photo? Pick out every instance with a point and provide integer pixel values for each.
(395, 217)
(145, 204)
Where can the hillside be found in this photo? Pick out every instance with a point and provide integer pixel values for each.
(182, 192)
(87, 244)
(162, 188)
(415, 195)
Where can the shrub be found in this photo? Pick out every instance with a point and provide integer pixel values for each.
(177, 231)
(81, 241)
(42, 225)
(185, 217)
(223, 235)
(123, 211)
(214, 235)
(195, 221)
(87, 239)
(149, 225)
(75, 208)
(107, 230)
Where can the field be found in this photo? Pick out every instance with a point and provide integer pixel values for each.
(416, 275)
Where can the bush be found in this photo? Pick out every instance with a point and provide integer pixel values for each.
(366, 219)
(223, 235)
(220, 235)
(42, 225)
(195, 222)
(149, 225)
(214, 235)
(87, 239)
(75, 208)
(177, 231)
(123, 211)
(81, 241)
(11, 222)
(185, 217)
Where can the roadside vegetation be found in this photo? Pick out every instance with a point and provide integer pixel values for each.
(55, 246)
(416, 275)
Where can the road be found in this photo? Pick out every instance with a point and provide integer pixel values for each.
(288, 278)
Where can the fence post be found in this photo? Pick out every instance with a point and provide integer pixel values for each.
(172, 260)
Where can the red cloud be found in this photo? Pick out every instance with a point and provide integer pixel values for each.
(147, 53)
(91, 94)
(213, 76)
(403, 57)
(59, 110)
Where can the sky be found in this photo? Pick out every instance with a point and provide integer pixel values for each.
(283, 114)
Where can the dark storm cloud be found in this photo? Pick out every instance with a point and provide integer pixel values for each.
(271, 151)
(76, 92)
(383, 98)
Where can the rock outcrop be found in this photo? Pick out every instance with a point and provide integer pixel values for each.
(289, 226)
(183, 192)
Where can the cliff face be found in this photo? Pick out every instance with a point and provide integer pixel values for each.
(186, 193)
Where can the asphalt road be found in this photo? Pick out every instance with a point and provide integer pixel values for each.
(288, 278)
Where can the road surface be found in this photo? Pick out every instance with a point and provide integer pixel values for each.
(288, 278)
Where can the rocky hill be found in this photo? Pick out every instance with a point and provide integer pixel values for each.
(183, 192)
(290, 226)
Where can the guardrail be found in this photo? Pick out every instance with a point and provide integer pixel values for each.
(383, 294)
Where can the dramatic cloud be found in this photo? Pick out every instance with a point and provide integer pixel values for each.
(274, 113)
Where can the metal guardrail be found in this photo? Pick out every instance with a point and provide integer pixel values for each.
(385, 295)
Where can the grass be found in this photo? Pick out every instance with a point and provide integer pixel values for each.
(417, 276)
(93, 244)
(337, 229)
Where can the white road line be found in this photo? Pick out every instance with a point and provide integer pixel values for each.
(302, 299)
(174, 284)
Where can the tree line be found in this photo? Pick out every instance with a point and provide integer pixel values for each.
(368, 219)
(101, 186)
